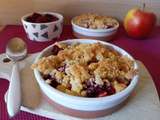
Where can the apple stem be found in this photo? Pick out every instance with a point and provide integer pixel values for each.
(144, 5)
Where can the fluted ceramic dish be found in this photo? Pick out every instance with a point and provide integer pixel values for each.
(78, 106)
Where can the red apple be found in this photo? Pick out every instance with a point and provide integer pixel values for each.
(139, 23)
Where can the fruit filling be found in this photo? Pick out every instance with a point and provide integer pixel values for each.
(41, 18)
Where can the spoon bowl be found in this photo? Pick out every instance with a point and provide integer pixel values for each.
(16, 49)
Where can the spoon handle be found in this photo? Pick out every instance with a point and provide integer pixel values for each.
(14, 92)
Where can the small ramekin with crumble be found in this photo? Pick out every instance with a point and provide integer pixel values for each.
(87, 70)
(95, 26)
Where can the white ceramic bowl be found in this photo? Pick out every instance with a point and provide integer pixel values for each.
(83, 103)
(42, 32)
(99, 34)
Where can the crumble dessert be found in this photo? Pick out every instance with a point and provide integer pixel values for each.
(95, 21)
(89, 70)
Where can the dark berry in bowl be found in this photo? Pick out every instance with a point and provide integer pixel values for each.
(110, 90)
(54, 83)
(46, 76)
(50, 18)
(33, 17)
(91, 92)
(41, 19)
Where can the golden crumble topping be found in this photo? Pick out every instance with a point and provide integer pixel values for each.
(95, 21)
(84, 69)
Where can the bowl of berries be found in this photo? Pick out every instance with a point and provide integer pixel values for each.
(43, 26)
(85, 77)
